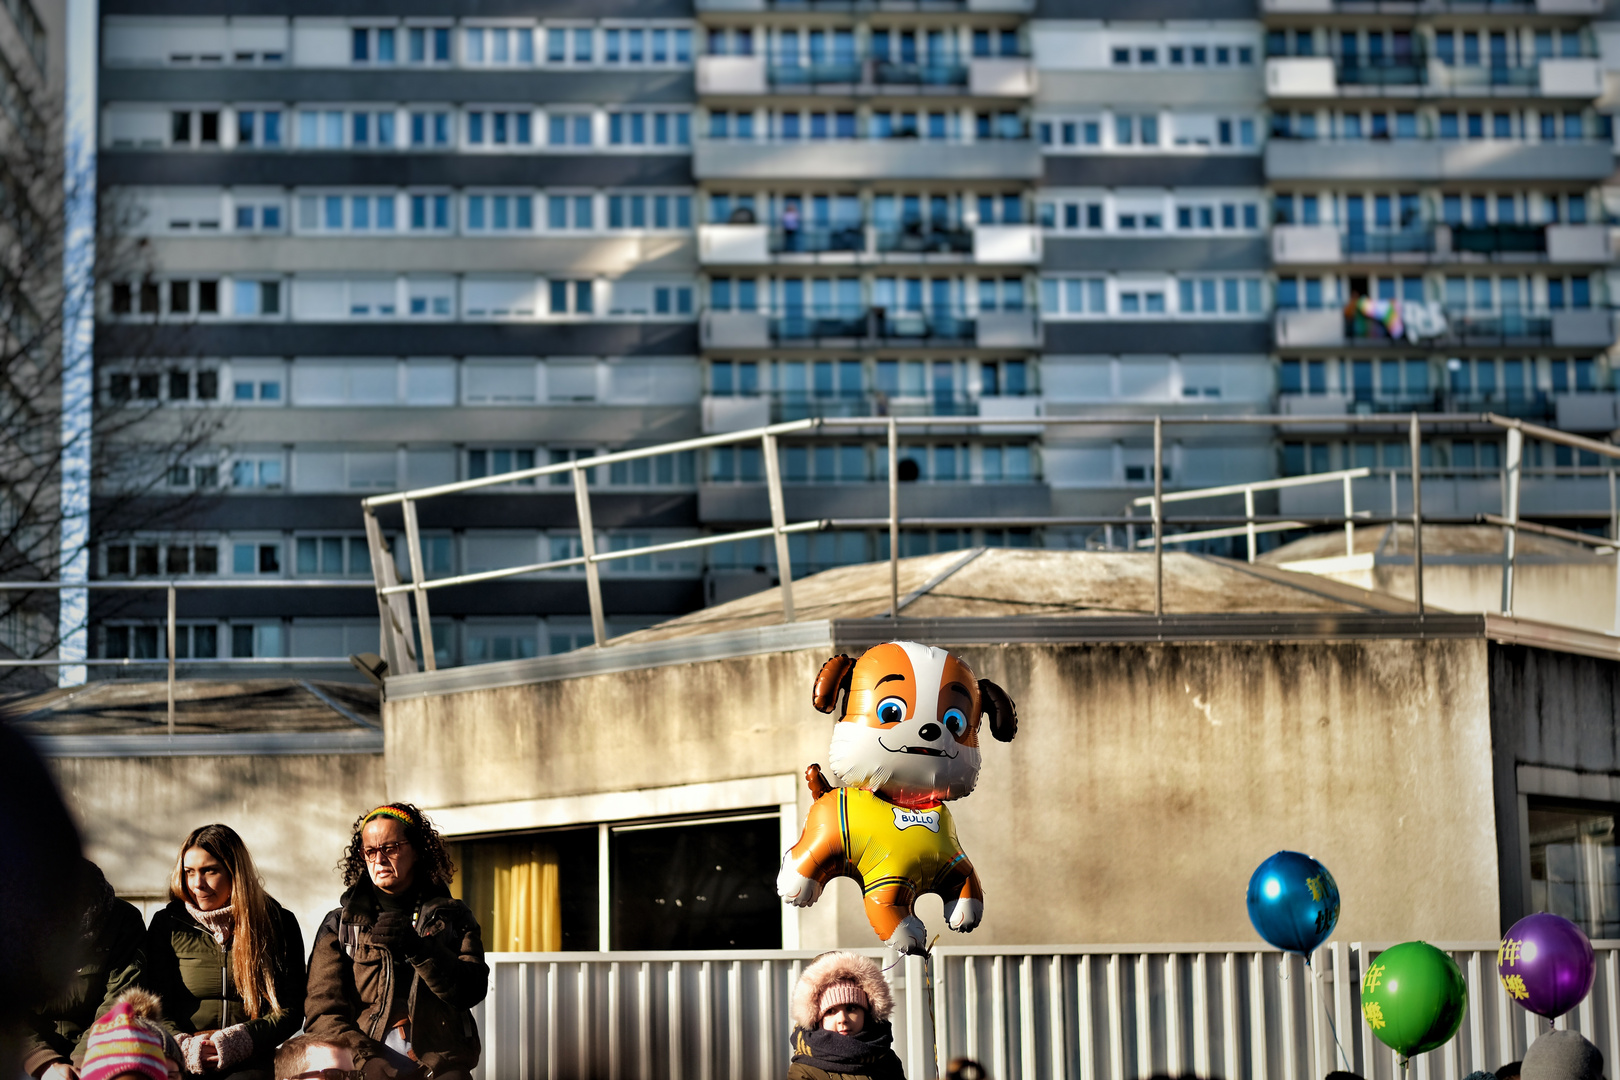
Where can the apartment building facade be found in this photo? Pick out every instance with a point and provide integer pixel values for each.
(445, 242)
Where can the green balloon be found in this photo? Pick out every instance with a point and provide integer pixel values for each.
(1413, 997)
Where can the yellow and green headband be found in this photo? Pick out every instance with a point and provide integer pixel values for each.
(390, 811)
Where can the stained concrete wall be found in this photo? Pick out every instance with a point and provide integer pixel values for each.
(1144, 786)
(294, 812)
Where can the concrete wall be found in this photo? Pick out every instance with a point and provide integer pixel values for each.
(1572, 594)
(1145, 785)
(294, 812)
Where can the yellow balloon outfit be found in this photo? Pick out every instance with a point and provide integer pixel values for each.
(895, 853)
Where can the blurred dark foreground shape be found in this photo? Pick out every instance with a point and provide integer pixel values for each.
(43, 882)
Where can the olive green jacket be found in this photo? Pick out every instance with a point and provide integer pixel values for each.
(110, 965)
(191, 972)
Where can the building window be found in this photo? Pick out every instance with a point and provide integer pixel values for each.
(546, 899)
(427, 45)
(1574, 868)
(324, 555)
(705, 885)
(649, 129)
(571, 297)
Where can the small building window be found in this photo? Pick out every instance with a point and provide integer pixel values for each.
(1575, 866)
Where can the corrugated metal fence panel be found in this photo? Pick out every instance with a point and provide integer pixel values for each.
(1106, 1013)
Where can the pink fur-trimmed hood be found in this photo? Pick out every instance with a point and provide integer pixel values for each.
(832, 967)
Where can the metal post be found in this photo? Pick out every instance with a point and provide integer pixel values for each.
(587, 548)
(1248, 512)
(424, 621)
(773, 487)
(171, 658)
(894, 519)
(1510, 510)
(393, 612)
(1158, 515)
(1417, 513)
(1614, 534)
(1349, 520)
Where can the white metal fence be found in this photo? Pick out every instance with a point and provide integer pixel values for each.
(1237, 1012)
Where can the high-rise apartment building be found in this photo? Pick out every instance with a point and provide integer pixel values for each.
(448, 241)
(1436, 171)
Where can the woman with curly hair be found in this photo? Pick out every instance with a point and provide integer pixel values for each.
(225, 959)
(399, 965)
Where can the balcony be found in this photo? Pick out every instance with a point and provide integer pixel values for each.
(1436, 159)
(722, 75)
(979, 76)
(1309, 329)
(858, 243)
(1572, 77)
(867, 159)
(1320, 244)
(1017, 7)
(1432, 7)
(1591, 328)
(845, 327)
(1300, 77)
(1305, 244)
(1578, 244)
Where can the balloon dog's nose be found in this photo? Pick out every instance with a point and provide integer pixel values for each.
(928, 732)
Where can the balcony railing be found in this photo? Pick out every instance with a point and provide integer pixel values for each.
(1354, 70)
(1479, 76)
(1499, 239)
(790, 71)
(1405, 241)
(934, 71)
(921, 238)
(1425, 242)
(873, 323)
(1467, 328)
(817, 239)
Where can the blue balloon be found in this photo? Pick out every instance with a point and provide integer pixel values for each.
(1293, 902)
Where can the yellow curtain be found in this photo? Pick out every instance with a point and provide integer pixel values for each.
(513, 889)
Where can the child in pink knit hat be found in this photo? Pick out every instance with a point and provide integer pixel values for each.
(840, 1013)
(128, 1043)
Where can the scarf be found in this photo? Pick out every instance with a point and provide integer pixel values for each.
(868, 1053)
(219, 922)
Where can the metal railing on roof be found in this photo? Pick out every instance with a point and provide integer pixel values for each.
(399, 642)
(171, 660)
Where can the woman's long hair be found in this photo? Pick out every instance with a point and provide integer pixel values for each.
(255, 956)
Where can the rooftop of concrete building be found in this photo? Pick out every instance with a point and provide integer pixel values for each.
(1441, 543)
(988, 583)
(266, 715)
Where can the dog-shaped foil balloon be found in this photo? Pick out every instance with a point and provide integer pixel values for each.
(907, 742)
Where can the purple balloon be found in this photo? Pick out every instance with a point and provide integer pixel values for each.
(1546, 964)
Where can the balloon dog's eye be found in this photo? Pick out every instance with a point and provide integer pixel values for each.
(955, 722)
(891, 710)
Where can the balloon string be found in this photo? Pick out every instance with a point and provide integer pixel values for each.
(1328, 1009)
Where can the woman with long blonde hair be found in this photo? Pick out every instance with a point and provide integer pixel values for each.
(226, 960)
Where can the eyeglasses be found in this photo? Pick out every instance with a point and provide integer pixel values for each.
(330, 1074)
(375, 854)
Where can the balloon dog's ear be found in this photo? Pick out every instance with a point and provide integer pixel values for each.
(1000, 710)
(834, 677)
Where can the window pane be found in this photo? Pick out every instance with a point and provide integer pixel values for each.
(1573, 867)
